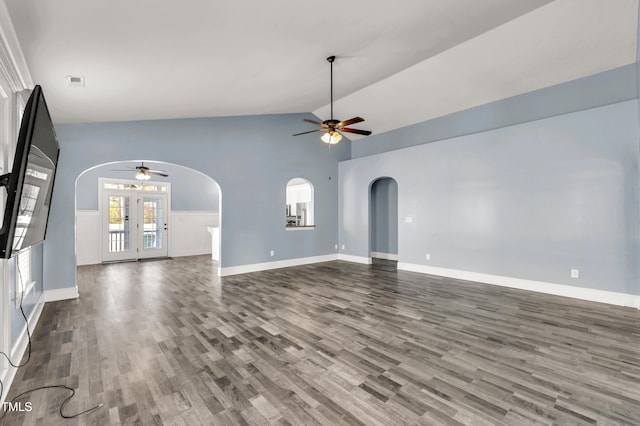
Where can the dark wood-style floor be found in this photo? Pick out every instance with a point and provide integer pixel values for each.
(335, 343)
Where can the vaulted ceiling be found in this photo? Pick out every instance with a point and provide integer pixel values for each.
(398, 63)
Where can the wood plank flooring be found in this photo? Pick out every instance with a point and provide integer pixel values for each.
(336, 343)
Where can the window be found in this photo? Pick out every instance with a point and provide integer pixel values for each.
(299, 205)
(136, 186)
(24, 281)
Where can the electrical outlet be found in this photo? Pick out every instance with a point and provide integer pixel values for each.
(408, 219)
(428, 256)
(272, 253)
(343, 247)
(336, 247)
(575, 273)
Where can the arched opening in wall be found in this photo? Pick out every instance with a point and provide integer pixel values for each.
(383, 219)
(121, 217)
(299, 208)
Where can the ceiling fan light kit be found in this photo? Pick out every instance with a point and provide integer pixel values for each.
(331, 138)
(143, 172)
(142, 175)
(332, 127)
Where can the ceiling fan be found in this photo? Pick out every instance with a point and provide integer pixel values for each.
(332, 127)
(143, 172)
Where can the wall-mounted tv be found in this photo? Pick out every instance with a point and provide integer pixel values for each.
(30, 183)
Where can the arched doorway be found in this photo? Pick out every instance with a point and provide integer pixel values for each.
(188, 223)
(383, 223)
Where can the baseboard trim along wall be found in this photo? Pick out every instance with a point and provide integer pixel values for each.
(380, 255)
(61, 294)
(355, 259)
(256, 267)
(593, 295)
(17, 352)
(196, 252)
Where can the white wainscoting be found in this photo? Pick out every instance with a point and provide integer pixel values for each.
(188, 234)
(88, 237)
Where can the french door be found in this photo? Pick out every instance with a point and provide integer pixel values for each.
(135, 225)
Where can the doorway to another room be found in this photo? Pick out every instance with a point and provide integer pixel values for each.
(383, 223)
(121, 218)
(135, 220)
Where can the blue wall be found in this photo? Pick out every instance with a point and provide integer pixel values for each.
(528, 187)
(605, 88)
(251, 158)
(530, 201)
(384, 216)
(190, 190)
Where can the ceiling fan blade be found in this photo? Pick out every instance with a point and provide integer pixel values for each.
(317, 123)
(310, 131)
(356, 131)
(158, 172)
(353, 120)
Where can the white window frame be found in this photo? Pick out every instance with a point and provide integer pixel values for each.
(14, 79)
(299, 181)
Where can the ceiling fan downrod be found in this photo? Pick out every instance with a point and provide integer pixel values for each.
(330, 59)
(332, 128)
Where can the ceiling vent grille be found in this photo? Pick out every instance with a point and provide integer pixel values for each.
(74, 81)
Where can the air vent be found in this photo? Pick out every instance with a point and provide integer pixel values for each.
(74, 81)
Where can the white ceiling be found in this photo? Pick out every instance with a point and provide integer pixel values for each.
(398, 62)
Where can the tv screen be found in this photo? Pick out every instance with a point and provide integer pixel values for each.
(30, 183)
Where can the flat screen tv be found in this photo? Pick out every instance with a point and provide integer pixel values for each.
(30, 183)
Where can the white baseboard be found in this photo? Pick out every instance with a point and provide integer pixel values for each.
(195, 252)
(244, 269)
(593, 295)
(17, 352)
(380, 255)
(355, 259)
(61, 294)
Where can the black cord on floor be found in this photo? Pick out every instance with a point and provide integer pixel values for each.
(73, 392)
(28, 343)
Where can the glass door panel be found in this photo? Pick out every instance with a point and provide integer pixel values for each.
(119, 224)
(153, 226)
(135, 225)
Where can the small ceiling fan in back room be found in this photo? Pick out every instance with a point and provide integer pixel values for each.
(143, 172)
(332, 127)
